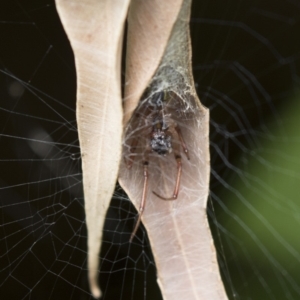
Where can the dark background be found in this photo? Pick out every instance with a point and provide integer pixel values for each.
(246, 69)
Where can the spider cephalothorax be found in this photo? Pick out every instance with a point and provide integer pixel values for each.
(154, 117)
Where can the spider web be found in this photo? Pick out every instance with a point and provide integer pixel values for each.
(246, 68)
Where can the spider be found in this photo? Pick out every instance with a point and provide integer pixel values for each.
(163, 135)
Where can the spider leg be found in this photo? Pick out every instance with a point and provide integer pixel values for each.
(176, 189)
(178, 130)
(143, 201)
(130, 159)
(173, 95)
(142, 131)
(177, 155)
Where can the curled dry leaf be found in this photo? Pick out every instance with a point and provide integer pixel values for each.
(95, 30)
(150, 24)
(178, 230)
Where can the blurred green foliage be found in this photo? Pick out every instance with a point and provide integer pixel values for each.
(261, 236)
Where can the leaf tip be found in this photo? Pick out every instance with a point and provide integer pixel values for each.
(95, 290)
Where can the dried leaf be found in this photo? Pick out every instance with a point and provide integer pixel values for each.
(178, 230)
(149, 27)
(95, 30)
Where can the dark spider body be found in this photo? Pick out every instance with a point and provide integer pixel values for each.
(160, 142)
(163, 136)
(161, 139)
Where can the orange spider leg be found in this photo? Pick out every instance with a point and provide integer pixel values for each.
(144, 196)
(131, 157)
(178, 130)
(176, 133)
(132, 151)
(176, 189)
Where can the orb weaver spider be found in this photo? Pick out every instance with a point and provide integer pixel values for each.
(163, 135)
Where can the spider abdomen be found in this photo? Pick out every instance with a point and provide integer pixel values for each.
(161, 142)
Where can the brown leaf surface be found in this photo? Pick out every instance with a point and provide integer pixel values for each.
(95, 30)
(178, 230)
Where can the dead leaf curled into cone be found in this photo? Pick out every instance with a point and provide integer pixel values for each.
(178, 230)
